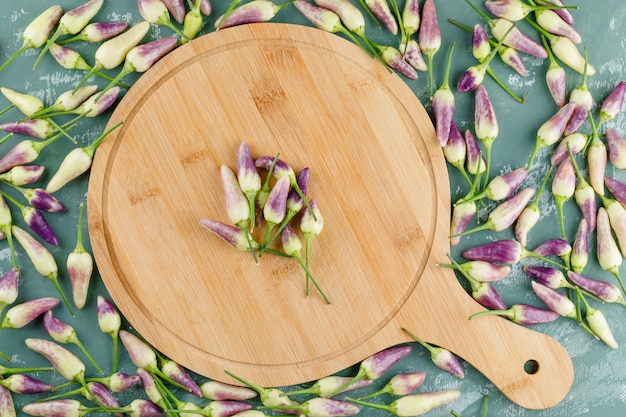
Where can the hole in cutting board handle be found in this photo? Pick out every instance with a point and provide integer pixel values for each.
(531, 367)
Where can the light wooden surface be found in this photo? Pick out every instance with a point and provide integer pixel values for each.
(378, 175)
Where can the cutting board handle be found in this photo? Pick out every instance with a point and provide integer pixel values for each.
(532, 369)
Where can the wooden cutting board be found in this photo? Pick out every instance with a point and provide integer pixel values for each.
(378, 175)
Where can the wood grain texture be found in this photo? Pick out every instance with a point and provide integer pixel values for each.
(378, 175)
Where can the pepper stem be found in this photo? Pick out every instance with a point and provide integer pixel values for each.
(535, 202)
(15, 55)
(92, 148)
(504, 86)
(426, 345)
(63, 296)
(12, 371)
(115, 352)
(371, 405)
(257, 388)
(126, 69)
(446, 75)
(93, 70)
(359, 376)
(227, 13)
(560, 201)
(506, 313)
(369, 13)
(79, 344)
(483, 226)
(309, 276)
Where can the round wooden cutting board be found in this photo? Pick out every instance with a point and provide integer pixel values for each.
(378, 175)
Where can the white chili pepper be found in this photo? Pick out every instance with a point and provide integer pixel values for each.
(416, 404)
(155, 11)
(42, 260)
(64, 361)
(109, 321)
(215, 390)
(80, 266)
(22, 314)
(36, 33)
(598, 323)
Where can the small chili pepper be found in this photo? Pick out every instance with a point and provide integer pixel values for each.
(25, 385)
(152, 390)
(557, 302)
(234, 236)
(483, 292)
(109, 321)
(584, 195)
(155, 11)
(36, 33)
(529, 217)
(270, 397)
(253, 12)
(193, 21)
(6, 221)
(176, 8)
(413, 55)
(580, 248)
(455, 150)
(502, 186)
(442, 358)
(505, 251)
(563, 187)
(97, 32)
(380, 9)
(415, 404)
(583, 99)
(400, 384)
(216, 390)
(485, 124)
(514, 10)
(612, 104)
(609, 256)
(443, 104)
(475, 161)
(393, 58)
(58, 408)
(554, 247)
(598, 324)
(180, 375)
(410, 21)
(64, 361)
(545, 275)
(76, 162)
(617, 219)
(23, 174)
(35, 220)
(462, 215)
(323, 407)
(556, 78)
(605, 291)
(248, 178)
(35, 128)
(576, 142)
(80, 266)
(9, 288)
(429, 37)
(596, 160)
(62, 332)
(524, 314)
(553, 23)
(328, 385)
(118, 381)
(617, 148)
(564, 13)
(551, 130)
(616, 188)
(481, 271)
(42, 260)
(22, 314)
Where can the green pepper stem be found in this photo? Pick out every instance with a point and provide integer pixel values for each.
(313, 280)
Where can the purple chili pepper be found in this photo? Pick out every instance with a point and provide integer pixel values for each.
(485, 124)
(248, 178)
(552, 130)
(227, 408)
(151, 388)
(35, 128)
(22, 314)
(553, 23)
(97, 32)
(180, 375)
(23, 174)
(506, 251)
(7, 407)
(617, 219)
(215, 390)
(9, 287)
(275, 208)
(563, 187)
(545, 275)
(557, 302)
(429, 37)
(609, 255)
(584, 195)
(233, 235)
(109, 321)
(294, 201)
(617, 148)
(56, 408)
(524, 314)
(442, 358)
(143, 408)
(563, 12)
(462, 215)
(616, 188)
(38, 224)
(118, 381)
(25, 385)
(612, 104)
(513, 10)
(443, 104)
(254, 12)
(455, 149)
(556, 78)
(554, 247)
(176, 8)
(414, 404)
(584, 100)
(380, 9)
(506, 213)
(324, 407)
(480, 43)
(328, 385)
(411, 19)
(101, 395)
(42, 200)
(400, 384)
(475, 160)
(377, 364)
(482, 271)
(576, 143)
(394, 59)
(605, 291)
(503, 186)
(413, 55)
(486, 295)
(62, 332)
(580, 248)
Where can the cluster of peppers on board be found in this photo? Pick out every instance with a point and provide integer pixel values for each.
(420, 39)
